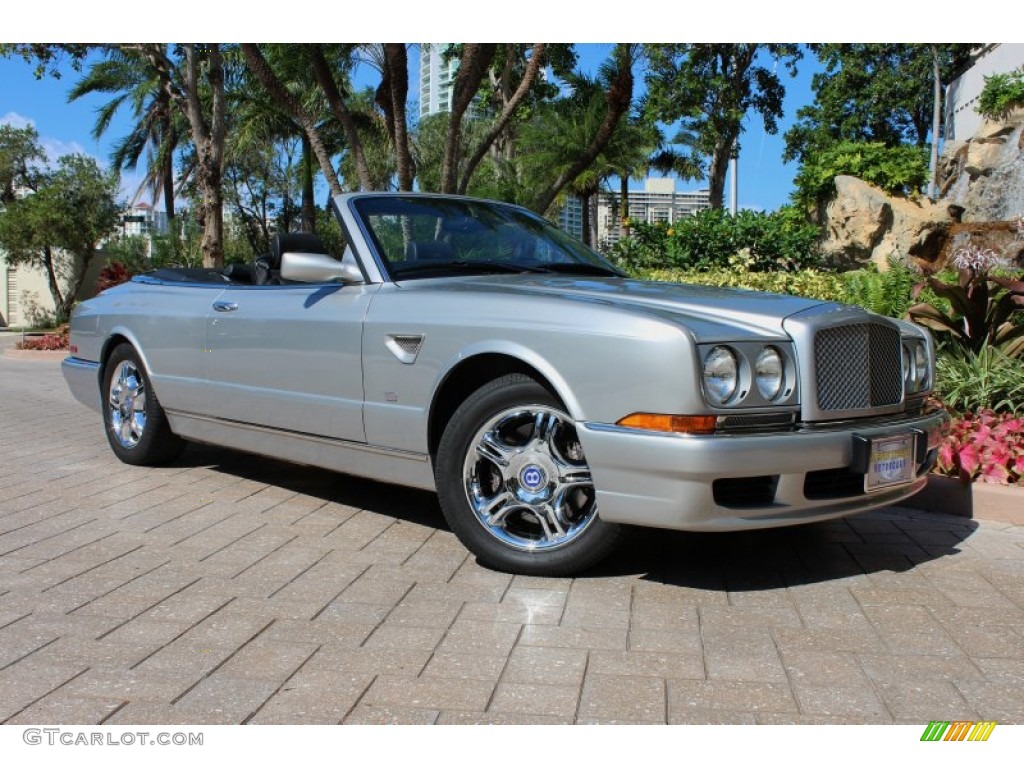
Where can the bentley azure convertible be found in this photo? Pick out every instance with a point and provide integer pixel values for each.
(471, 348)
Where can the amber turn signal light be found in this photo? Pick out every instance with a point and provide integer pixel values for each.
(664, 422)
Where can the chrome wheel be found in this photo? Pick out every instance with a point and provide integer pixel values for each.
(527, 481)
(127, 404)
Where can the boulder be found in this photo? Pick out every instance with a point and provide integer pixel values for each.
(863, 224)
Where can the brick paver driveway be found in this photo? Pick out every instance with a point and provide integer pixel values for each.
(228, 589)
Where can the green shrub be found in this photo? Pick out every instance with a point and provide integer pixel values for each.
(900, 171)
(782, 240)
(887, 293)
(1001, 94)
(809, 283)
(972, 381)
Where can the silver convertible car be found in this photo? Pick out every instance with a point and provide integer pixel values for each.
(470, 347)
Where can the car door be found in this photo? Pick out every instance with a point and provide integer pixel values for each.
(289, 357)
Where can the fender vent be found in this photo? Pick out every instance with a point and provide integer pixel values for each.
(404, 346)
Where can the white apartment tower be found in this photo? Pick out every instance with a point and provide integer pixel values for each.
(658, 203)
(437, 77)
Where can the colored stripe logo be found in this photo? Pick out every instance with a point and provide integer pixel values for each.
(958, 730)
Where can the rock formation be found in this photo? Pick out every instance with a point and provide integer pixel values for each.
(863, 224)
(981, 185)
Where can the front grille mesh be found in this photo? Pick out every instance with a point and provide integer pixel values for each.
(858, 366)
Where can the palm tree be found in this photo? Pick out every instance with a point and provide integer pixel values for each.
(158, 129)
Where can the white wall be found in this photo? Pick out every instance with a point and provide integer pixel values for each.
(962, 119)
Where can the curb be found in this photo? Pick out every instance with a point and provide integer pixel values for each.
(981, 501)
(36, 354)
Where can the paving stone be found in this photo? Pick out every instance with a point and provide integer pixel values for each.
(429, 693)
(754, 697)
(634, 699)
(467, 666)
(226, 586)
(546, 666)
(366, 715)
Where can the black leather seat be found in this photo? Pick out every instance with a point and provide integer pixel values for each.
(267, 268)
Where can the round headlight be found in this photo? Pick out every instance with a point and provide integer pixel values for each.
(768, 369)
(908, 369)
(721, 374)
(920, 365)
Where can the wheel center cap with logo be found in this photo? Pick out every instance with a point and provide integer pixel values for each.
(532, 477)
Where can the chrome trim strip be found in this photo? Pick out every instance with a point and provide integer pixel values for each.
(331, 441)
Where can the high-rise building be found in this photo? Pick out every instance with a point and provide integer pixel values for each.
(658, 202)
(437, 78)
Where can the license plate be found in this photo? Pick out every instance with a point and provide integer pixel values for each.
(890, 463)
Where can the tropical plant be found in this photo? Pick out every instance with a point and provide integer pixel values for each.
(900, 170)
(1002, 93)
(157, 130)
(986, 446)
(980, 304)
(114, 273)
(886, 293)
(971, 381)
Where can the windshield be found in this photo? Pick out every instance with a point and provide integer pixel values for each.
(419, 237)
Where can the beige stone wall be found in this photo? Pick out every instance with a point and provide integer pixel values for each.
(24, 291)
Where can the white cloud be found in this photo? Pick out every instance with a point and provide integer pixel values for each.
(55, 148)
(14, 120)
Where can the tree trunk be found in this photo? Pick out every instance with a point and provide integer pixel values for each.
(585, 219)
(717, 170)
(340, 109)
(396, 77)
(476, 58)
(54, 284)
(933, 164)
(623, 222)
(258, 65)
(308, 203)
(511, 105)
(170, 139)
(208, 138)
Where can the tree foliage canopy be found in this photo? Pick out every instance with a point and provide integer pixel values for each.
(59, 226)
(873, 92)
(709, 88)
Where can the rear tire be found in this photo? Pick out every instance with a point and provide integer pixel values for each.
(135, 423)
(515, 486)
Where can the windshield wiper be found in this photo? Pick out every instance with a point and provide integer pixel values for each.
(463, 266)
(579, 268)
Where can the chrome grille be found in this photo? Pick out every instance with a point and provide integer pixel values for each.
(858, 366)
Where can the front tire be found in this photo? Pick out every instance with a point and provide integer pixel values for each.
(515, 486)
(136, 425)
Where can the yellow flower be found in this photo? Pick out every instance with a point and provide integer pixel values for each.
(670, 232)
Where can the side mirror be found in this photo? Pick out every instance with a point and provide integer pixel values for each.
(318, 268)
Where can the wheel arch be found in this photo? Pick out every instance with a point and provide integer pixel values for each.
(117, 337)
(476, 370)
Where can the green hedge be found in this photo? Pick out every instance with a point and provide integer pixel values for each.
(782, 240)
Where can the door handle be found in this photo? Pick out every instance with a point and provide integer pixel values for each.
(225, 306)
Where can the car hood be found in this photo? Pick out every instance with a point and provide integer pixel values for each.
(706, 311)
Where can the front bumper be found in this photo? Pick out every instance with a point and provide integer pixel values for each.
(83, 378)
(669, 481)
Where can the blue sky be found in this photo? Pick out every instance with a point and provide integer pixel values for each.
(764, 181)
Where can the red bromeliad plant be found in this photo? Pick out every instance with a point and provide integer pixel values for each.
(986, 446)
(112, 274)
(981, 304)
